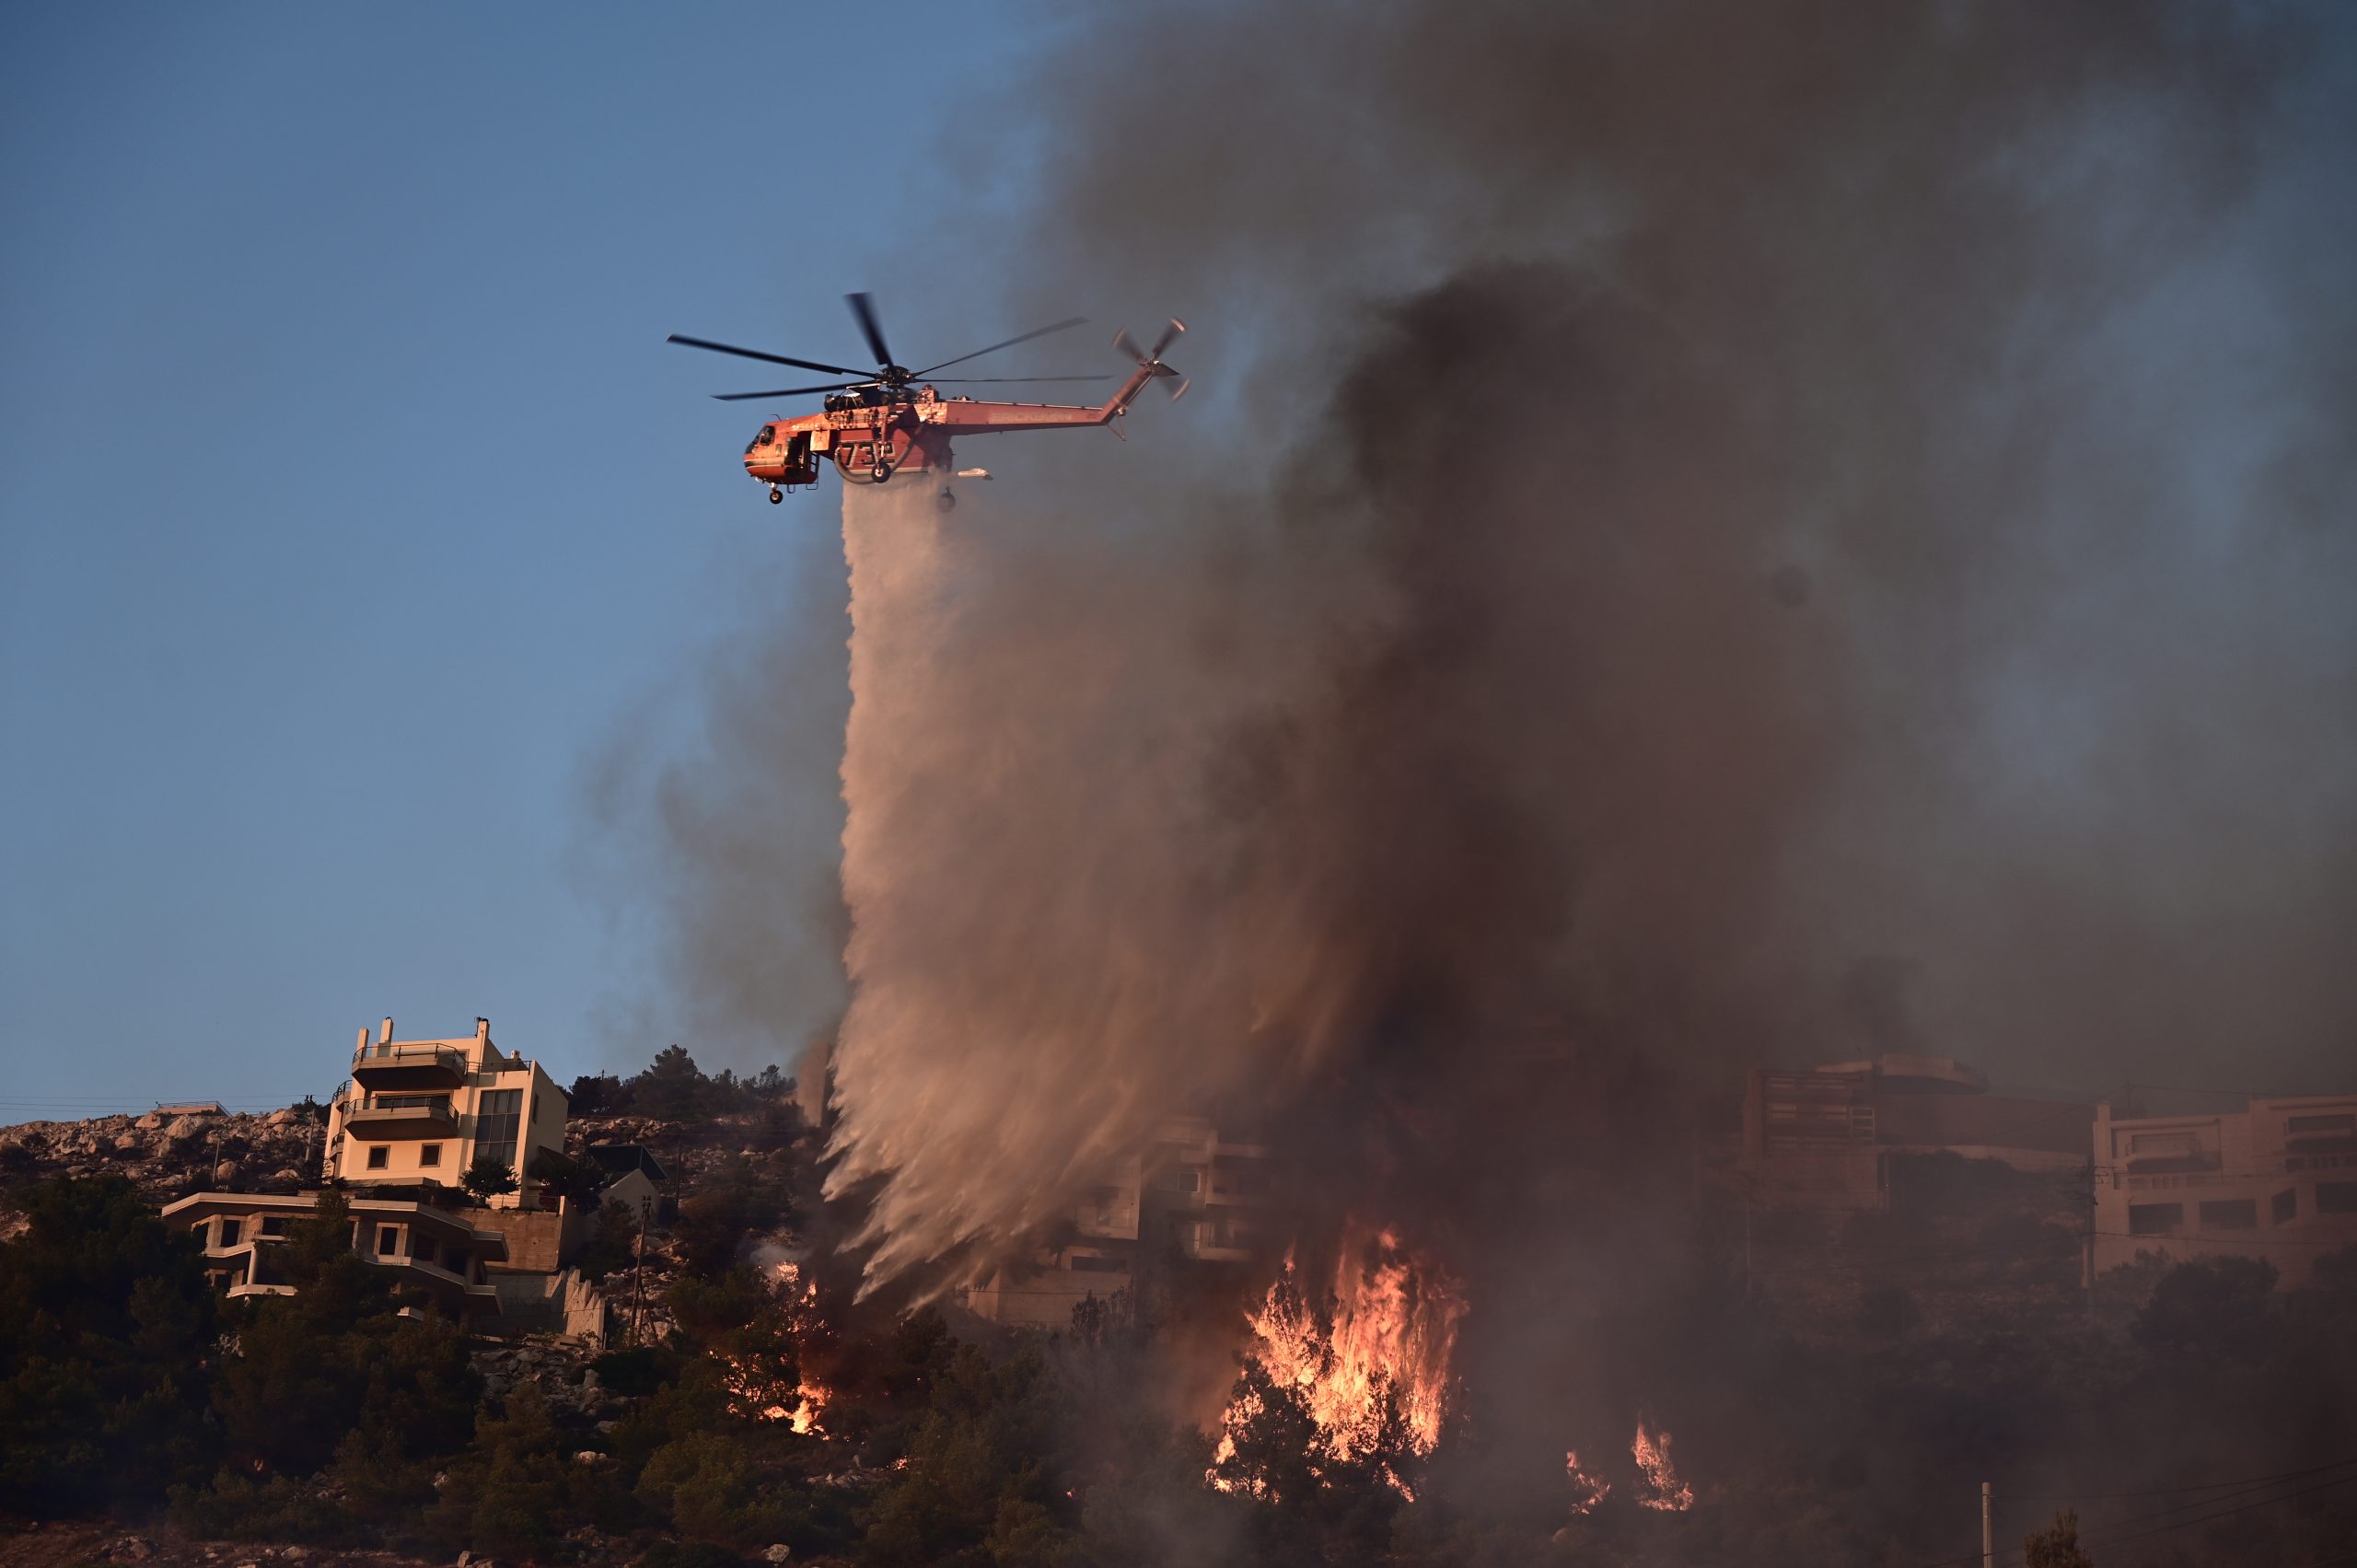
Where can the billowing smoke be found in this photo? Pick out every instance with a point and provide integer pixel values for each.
(1744, 531)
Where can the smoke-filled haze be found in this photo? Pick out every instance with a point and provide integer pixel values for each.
(1739, 533)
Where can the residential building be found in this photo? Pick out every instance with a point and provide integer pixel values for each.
(402, 1135)
(421, 1112)
(1194, 1198)
(435, 1249)
(2277, 1179)
(634, 1177)
(1830, 1136)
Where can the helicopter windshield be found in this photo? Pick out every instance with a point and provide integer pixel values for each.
(767, 434)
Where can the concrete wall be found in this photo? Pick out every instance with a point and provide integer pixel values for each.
(561, 1303)
(540, 1241)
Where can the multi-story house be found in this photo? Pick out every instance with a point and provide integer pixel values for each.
(403, 1132)
(1192, 1198)
(2276, 1181)
(421, 1112)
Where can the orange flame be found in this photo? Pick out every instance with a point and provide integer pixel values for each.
(756, 1379)
(1663, 1490)
(1385, 1349)
(1587, 1491)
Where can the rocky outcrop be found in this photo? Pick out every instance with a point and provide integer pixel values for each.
(169, 1157)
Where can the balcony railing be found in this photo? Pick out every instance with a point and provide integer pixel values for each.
(2177, 1180)
(402, 1116)
(409, 1066)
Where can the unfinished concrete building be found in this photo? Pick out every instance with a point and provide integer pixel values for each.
(437, 1253)
(1832, 1136)
(1192, 1198)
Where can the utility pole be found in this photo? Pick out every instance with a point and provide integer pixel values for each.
(638, 1276)
(1988, 1542)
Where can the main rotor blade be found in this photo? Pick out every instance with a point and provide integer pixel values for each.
(783, 393)
(1027, 337)
(979, 380)
(867, 314)
(756, 353)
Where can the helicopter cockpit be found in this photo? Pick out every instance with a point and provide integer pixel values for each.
(779, 457)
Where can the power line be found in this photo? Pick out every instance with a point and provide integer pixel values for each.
(2221, 1514)
(2102, 1536)
(2177, 1491)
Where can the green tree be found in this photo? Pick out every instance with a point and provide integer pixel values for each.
(107, 1331)
(2057, 1546)
(578, 1181)
(335, 1357)
(983, 1480)
(672, 1087)
(2218, 1307)
(610, 1247)
(487, 1179)
(600, 1094)
(737, 1204)
(517, 1491)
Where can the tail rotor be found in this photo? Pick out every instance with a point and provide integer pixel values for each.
(1151, 359)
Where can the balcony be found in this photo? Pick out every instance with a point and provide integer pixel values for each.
(402, 1116)
(398, 1067)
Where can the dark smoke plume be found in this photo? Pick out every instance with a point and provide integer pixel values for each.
(1737, 532)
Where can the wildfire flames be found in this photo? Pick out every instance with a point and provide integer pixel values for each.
(1587, 1491)
(1662, 1489)
(764, 1380)
(1370, 1365)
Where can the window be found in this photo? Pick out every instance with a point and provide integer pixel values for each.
(1178, 1182)
(389, 1240)
(2286, 1204)
(2155, 1219)
(273, 1224)
(2230, 1213)
(2324, 1123)
(230, 1230)
(2163, 1143)
(423, 1249)
(1098, 1263)
(380, 1155)
(2336, 1197)
(498, 1114)
(429, 1153)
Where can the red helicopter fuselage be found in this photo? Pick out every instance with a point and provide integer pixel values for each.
(871, 434)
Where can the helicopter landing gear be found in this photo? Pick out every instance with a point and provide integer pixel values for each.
(776, 496)
(881, 471)
(945, 502)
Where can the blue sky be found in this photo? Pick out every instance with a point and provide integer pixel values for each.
(349, 495)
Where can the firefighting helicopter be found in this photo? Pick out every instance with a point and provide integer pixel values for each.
(892, 419)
